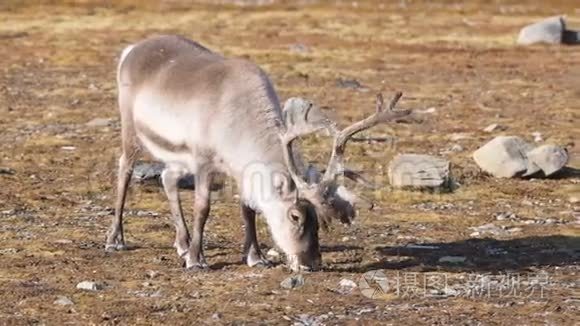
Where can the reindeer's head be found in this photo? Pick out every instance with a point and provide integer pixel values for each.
(315, 199)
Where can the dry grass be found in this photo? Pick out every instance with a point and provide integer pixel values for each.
(57, 73)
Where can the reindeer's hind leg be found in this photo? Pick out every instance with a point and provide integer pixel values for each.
(115, 238)
(194, 258)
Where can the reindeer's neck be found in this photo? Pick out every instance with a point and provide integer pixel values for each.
(260, 181)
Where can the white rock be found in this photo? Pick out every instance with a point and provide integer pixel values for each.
(89, 286)
(549, 31)
(537, 137)
(63, 301)
(419, 171)
(99, 122)
(459, 136)
(505, 157)
(430, 110)
(549, 158)
(492, 127)
(152, 274)
(346, 283)
(456, 148)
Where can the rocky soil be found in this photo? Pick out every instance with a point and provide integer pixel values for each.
(490, 252)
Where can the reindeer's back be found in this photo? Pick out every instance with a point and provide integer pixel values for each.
(192, 96)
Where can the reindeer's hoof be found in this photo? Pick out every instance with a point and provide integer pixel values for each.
(115, 247)
(259, 263)
(199, 267)
(264, 263)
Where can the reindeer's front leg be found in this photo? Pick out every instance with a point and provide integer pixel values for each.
(194, 258)
(252, 254)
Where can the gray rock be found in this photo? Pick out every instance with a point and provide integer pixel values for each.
(8, 171)
(89, 286)
(452, 259)
(505, 157)
(150, 172)
(350, 83)
(63, 301)
(549, 31)
(99, 122)
(346, 286)
(293, 282)
(146, 171)
(419, 172)
(549, 158)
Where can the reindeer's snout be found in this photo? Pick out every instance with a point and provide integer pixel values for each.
(305, 262)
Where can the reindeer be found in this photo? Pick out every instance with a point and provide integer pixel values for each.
(202, 113)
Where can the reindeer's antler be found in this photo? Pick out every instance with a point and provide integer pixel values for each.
(382, 115)
(300, 126)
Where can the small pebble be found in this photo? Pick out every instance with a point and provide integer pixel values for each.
(293, 282)
(89, 286)
(492, 127)
(63, 301)
(537, 137)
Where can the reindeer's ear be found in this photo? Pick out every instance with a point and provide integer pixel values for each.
(284, 188)
(343, 203)
(332, 203)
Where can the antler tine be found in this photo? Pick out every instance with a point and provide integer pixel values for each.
(289, 158)
(380, 116)
(292, 132)
(380, 102)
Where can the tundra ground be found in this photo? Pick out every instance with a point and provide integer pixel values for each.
(57, 73)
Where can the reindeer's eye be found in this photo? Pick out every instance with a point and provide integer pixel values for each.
(296, 216)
